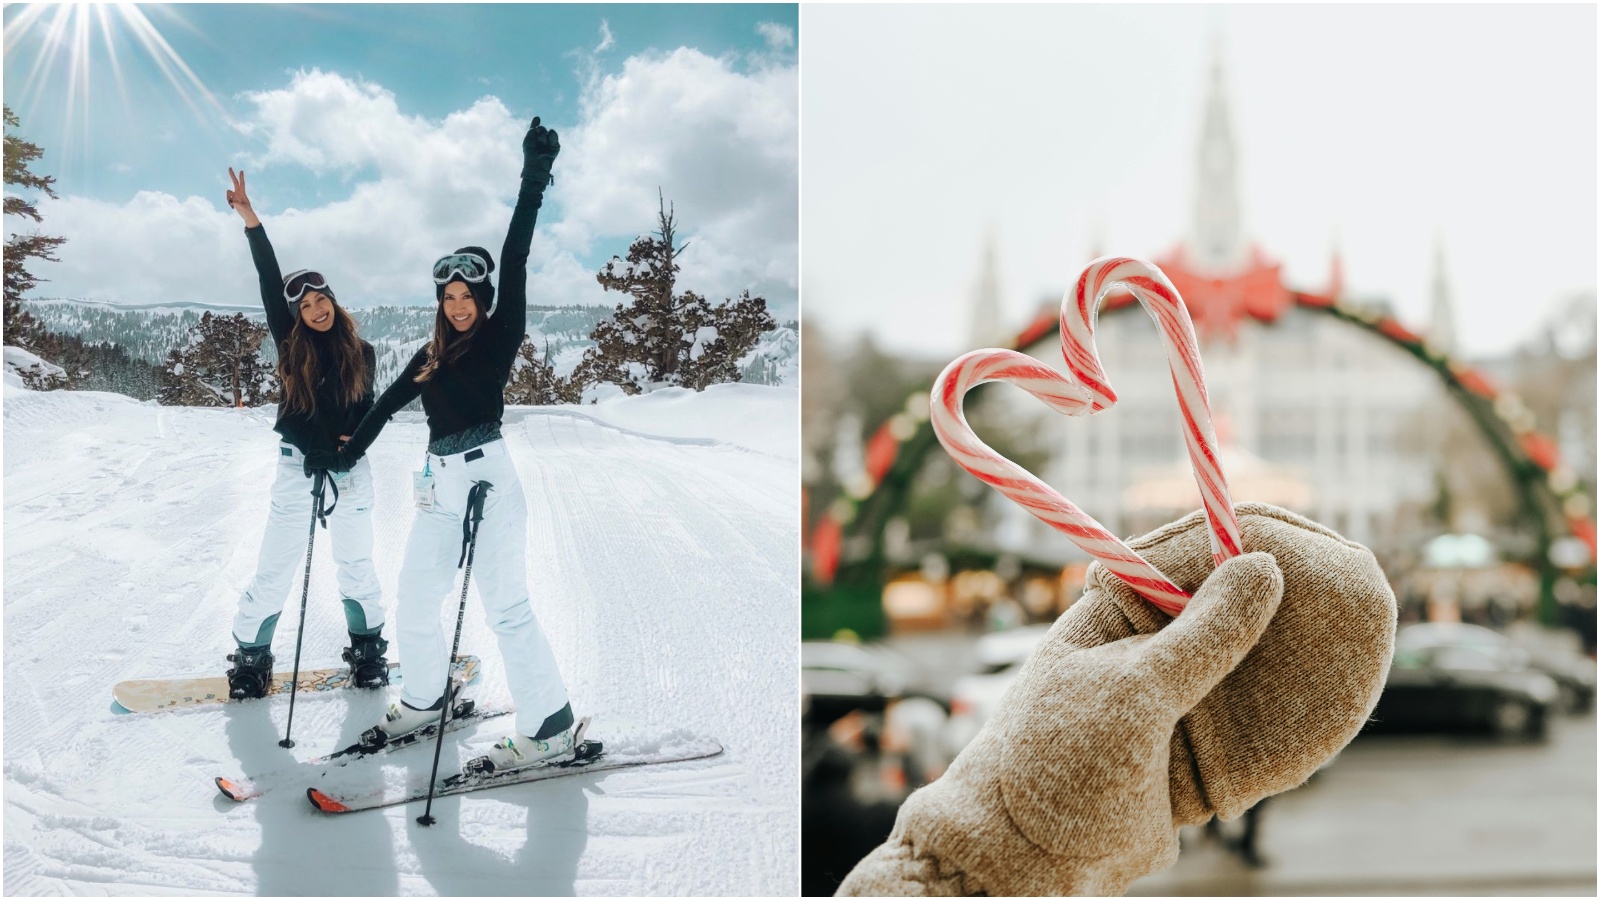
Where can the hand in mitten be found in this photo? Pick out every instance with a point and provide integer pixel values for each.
(1300, 695)
(1306, 687)
(540, 147)
(1065, 789)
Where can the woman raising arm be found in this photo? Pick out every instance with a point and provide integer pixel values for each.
(326, 374)
(461, 374)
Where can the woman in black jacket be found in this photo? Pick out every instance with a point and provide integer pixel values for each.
(461, 375)
(326, 372)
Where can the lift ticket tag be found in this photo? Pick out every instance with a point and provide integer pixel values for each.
(422, 489)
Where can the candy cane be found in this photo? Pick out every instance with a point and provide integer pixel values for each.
(1085, 392)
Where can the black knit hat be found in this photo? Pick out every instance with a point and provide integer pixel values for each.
(482, 292)
(301, 281)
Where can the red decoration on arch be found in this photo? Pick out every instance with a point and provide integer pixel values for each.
(881, 453)
(1475, 381)
(1583, 530)
(1541, 450)
(1217, 303)
(826, 543)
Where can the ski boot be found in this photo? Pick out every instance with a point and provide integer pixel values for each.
(368, 667)
(404, 723)
(516, 751)
(251, 674)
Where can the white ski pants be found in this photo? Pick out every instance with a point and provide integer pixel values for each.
(283, 547)
(499, 575)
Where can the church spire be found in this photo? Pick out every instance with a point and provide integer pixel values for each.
(986, 324)
(1218, 243)
(1441, 321)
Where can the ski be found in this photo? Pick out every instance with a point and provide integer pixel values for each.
(159, 694)
(589, 758)
(467, 713)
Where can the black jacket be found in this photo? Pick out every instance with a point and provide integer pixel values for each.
(470, 391)
(332, 418)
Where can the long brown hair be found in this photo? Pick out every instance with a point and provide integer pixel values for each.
(299, 365)
(447, 345)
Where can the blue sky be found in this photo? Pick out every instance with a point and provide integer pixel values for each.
(377, 136)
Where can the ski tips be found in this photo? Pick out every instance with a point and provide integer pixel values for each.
(230, 790)
(324, 802)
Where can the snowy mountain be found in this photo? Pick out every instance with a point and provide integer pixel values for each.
(395, 332)
(663, 559)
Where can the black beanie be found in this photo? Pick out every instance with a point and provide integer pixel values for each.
(482, 292)
(294, 305)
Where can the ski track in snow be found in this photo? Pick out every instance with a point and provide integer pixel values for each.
(663, 568)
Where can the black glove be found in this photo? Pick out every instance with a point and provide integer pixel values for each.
(328, 461)
(539, 148)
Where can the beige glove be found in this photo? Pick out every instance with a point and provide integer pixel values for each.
(1067, 788)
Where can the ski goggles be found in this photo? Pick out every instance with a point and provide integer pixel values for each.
(298, 283)
(469, 267)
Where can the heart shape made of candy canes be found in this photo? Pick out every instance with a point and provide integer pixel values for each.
(1085, 391)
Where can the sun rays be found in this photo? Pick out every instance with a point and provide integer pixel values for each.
(64, 69)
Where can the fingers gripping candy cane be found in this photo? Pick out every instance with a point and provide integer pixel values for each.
(1085, 391)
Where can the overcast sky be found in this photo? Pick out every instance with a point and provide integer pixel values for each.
(1062, 130)
(379, 137)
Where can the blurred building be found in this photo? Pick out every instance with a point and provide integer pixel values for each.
(1313, 414)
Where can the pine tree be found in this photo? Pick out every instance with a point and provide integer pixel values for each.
(723, 338)
(21, 329)
(221, 365)
(94, 366)
(664, 337)
(534, 381)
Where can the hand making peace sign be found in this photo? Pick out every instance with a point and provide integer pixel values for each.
(240, 201)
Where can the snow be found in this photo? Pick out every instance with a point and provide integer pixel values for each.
(753, 416)
(663, 563)
(21, 364)
(703, 337)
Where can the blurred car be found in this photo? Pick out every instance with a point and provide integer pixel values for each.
(1000, 650)
(974, 697)
(1573, 673)
(1451, 686)
(836, 678)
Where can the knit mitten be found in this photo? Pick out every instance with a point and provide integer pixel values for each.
(1065, 789)
(1307, 686)
(1300, 694)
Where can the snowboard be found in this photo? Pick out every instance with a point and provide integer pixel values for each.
(590, 758)
(467, 714)
(158, 694)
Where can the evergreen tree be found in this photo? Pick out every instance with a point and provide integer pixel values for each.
(663, 337)
(20, 327)
(534, 381)
(221, 365)
(96, 366)
(723, 336)
(761, 370)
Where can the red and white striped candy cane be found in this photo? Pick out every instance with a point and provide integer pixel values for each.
(1085, 392)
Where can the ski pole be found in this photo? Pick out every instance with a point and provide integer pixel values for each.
(300, 632)
(475, 498)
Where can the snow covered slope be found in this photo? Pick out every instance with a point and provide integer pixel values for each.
(761, 418)
(664, 568)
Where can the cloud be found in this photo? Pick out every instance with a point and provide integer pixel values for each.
(606, 40)
(722, 144)
(153, 248)
(778, 37)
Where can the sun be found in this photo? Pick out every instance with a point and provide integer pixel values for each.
(66, 35)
